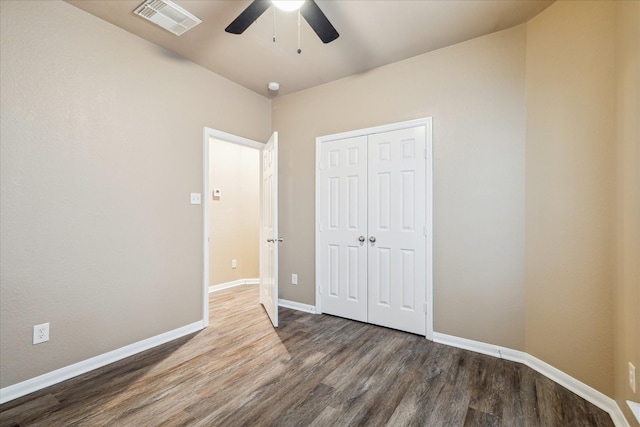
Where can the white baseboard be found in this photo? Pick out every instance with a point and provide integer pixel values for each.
(54, 377)
(297, 306)
(233, 283)
(588, 393)
(635, 409)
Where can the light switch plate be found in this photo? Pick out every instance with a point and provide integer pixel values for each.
(196, 199)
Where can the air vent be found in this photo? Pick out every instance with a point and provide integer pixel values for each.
(168, 15)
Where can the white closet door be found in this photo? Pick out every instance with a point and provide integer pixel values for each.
(343, 222)
(396, 221)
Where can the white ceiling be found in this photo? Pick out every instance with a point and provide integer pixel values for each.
(372, 33)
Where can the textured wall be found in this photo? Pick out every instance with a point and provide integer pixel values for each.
(627, 166)
(475, 93)
(101, 144)
(234, 218)
(570, 190)
(96, 165)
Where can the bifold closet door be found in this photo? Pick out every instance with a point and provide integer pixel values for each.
(396, 224)
(372, 229)
(343, 222)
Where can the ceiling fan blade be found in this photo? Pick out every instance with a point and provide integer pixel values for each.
(318, 21)
(248, 16)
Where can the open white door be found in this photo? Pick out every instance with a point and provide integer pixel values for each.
(269, 229)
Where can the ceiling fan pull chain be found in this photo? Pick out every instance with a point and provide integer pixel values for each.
(299, 50)
(274, 24)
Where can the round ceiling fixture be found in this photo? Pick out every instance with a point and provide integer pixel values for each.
(288, 5)
(274, 86)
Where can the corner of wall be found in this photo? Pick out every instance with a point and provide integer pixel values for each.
(569, 190)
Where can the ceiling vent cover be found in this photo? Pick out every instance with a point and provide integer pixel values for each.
(168, 15)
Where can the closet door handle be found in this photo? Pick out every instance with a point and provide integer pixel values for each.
(361, 239)
(372, 239)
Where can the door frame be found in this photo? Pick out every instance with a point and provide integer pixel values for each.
(209, 133)
(427, 122)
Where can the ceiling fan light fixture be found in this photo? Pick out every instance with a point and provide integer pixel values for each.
(288, 5)
(308, 9)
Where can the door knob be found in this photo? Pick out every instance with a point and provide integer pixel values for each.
(361, 239)
(275, 239)
(372, 239)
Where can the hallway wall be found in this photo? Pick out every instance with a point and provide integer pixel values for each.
(234, 218)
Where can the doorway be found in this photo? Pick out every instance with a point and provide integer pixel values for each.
(268, 214)
(234, 215)
(218, 267)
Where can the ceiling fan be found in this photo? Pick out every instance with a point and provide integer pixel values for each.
(308, 9)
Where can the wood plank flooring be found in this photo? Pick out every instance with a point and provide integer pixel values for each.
(315, 370)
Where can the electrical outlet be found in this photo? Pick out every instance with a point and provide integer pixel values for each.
(196, 198)
(234, 263)
(294, 279)
(41, 333)
(632, 377)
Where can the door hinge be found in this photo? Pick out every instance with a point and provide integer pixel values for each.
(320, 227)
(425, 154)
(424, 307)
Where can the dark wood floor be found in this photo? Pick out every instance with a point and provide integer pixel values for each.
(315, 370)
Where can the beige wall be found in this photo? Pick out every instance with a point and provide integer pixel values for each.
(97, 164)
(627, 166)
(475, 93)
(570, 190)
(234, 218)
(101, 144)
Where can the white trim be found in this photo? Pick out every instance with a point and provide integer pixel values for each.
(239, 282)
(635, 409)
(297, 306)
(54, 377)
(427, 122)
(618, 418)
(209, 133)
(235, 139)
(316, 224)
(588, 393)
(205, 226)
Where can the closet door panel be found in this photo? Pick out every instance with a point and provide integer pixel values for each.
(396, 225)
(342, 221)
